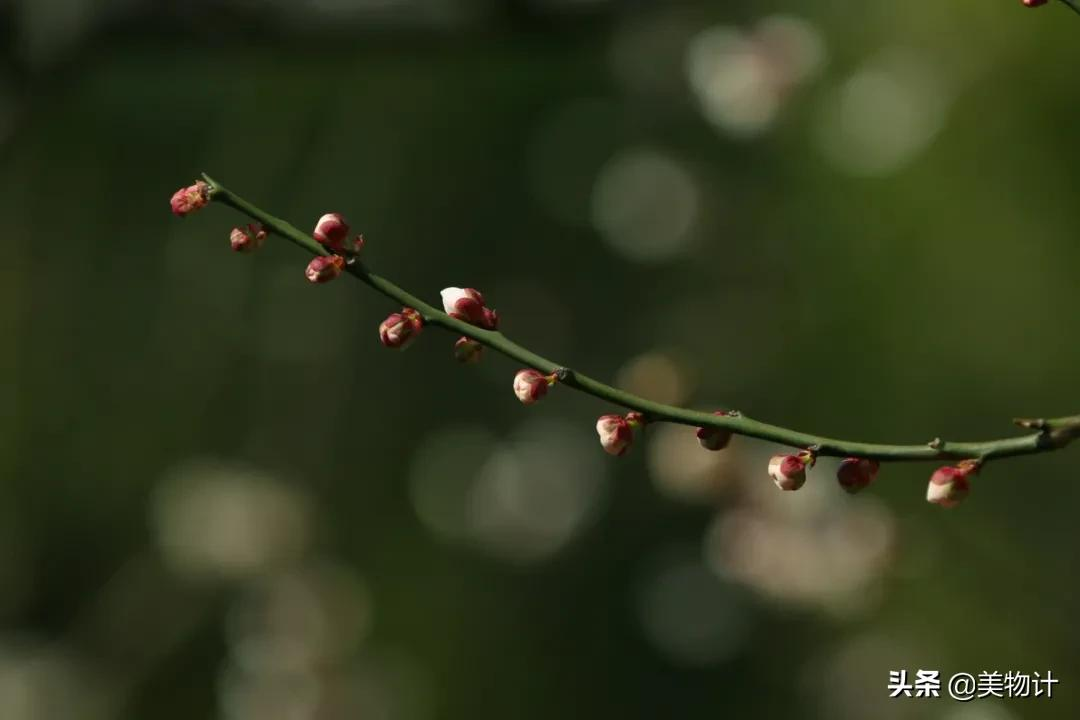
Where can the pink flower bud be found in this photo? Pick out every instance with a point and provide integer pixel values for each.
(398, 330)
(491, 319)
(468, 351)
(247, 240)
(616, 434)
(1033, 3)
(714, 438)
(789, 471)
(856, 473)
(189, 199)
(323, 269)
(949, 485)
(531, 385)
(331, 230)
(467, 305)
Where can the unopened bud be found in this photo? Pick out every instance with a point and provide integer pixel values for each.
(789, 471)
(398, 330)
(187, 200)
(713, 438)
(332, 231)
(531, 385)
(854, 474)
(467, 305)
(324, 268)
(468, 351)
(1033, 3)
(949, 485)
(616, 434)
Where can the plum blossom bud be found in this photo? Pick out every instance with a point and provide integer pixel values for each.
(331, 230)
(247, 240)
(531, 385)
(1033, 3)
(398, 330)
(323, 268)
(467, 305)
(189, 199)
(468, 351)
(714, 438)
(789, 471)
(854, 474)
(616, 434)
(949, 485)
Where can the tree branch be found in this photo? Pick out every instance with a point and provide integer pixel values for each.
(1050, 434)
(1072, 5)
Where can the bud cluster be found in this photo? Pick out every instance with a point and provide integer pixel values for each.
(948, 485)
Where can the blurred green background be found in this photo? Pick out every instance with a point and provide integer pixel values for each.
(221, 498)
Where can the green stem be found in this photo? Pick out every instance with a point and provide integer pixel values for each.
(1050, 434)
(1072, 5)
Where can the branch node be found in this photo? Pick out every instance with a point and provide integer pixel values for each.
(562, 374)
(936, 444)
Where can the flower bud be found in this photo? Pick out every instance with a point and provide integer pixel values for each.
(189, 199)
(324, 268)
(531, 385)
(616, 434)
(331, 230)
(491, 319)
(789, 471)
(468, 351)
(712, 438)
(247, 240)
(856, 473)
(467, 305)
(398, 330)
(949, 485)
(1033, 3)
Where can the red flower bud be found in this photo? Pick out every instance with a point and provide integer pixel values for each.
(789, 471)
(331, 230)
(491, 319)
(714, 438)
(616, 434)
(949, 485)
(189, 199)
(531, 385)
(398, 330)
(468, 351)
(467, 305)
(1033, 3)
(247, 240)
(323, 268)
(856, 473)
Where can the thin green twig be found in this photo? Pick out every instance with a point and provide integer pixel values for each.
(1072, 5)
(1050, 434)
